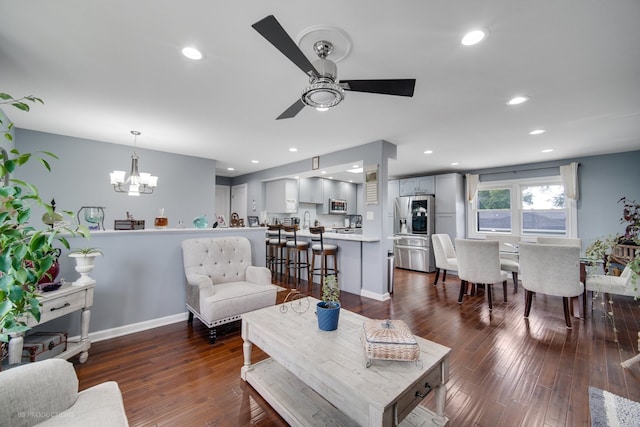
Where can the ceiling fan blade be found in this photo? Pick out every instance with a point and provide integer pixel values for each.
(292, 111)
(401, 87)
(271, 30)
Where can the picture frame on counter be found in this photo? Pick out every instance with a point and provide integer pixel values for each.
(222, 222)
(253, 221)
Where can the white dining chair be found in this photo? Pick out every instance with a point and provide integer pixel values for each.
(610, 285)
(564, 241)
(445, 255)
(550, 270)
(479, 263)
(508, 255)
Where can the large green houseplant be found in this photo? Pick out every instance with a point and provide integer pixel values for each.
(26, 252)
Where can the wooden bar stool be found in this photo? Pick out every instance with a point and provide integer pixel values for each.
(324, 251)
(295, 249)
(275, 249)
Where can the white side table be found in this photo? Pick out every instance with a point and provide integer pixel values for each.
(65, 300)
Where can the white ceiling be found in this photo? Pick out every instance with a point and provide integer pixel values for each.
(105, 68)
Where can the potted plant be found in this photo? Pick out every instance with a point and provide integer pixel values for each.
(26, 253)
(621, 249)
(85, 258)
(328, 310)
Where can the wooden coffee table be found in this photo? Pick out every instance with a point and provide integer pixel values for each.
(315, 377)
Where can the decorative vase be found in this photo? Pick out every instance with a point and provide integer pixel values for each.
(84, 266)
(328, 315)
(201, 222)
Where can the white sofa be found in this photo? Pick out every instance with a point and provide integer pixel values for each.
(46, 394)
(221, 282)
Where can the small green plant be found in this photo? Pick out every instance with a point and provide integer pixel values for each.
(330, 289)
(85, 251)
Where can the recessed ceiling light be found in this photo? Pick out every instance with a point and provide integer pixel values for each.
(356, 170)
(323, 172)
(473, 37)
(330, 177)
(230, 169)
(428, 152)
(355, 166)
(192, 53)
(454, 163)
(350, 180)
(537, 132)
(518, 100)
(548, 150)
(255, 161)
(293, 149)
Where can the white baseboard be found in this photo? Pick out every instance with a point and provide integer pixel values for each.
(134, 327)
(373, 295)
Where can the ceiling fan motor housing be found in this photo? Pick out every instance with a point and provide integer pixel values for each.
(323, 91)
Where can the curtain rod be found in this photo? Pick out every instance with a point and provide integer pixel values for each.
(522, 170)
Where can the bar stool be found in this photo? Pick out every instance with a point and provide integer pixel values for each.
(295, 249)
(275, 249)
(324, 251)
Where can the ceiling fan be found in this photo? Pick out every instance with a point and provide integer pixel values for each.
(324, 90)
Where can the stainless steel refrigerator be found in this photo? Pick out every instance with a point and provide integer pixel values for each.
(414, 222)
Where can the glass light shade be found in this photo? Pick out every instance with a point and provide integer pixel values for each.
(133, 190)
(153, 181)
(144, 178)
(117, 177)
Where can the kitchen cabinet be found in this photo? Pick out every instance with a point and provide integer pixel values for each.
(310, 190)
(450, 205)
(338, 190)
(282, 196)
(417, 185)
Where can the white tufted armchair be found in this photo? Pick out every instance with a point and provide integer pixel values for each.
(221, 282)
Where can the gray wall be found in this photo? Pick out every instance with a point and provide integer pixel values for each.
(186, 185)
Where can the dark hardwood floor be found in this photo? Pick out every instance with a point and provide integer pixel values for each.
(505, 370)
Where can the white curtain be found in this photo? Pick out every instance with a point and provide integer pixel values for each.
(569, 175)
(472, 186)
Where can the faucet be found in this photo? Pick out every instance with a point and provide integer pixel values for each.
(306, 220)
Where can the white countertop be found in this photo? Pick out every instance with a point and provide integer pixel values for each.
(341, 236)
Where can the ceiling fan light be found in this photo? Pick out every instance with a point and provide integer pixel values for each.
(324, 94)
(322, 109)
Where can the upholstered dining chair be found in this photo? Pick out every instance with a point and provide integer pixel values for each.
(445, 255)
(610, 285)
(550, 270)
(508, 261)
(564, 241)
(479, 263)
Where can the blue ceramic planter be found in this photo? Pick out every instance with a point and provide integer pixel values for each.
(328, 314)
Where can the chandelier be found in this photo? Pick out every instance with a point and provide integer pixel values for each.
(138, 182)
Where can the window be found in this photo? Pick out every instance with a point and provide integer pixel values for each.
(523, 207)
(494, 210)
(543, 210)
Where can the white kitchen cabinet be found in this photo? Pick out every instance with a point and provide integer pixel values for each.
(393, 191)
(450, 206)
(417, 185)
(282, 196)
(310, 190)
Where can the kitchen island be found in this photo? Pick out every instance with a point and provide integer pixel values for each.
(350, 257)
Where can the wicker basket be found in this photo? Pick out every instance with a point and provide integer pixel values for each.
(625, 252)
(389, 340)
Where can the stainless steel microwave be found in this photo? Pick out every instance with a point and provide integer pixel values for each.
(337, 206)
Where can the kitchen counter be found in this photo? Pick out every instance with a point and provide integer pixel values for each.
(341, 236)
